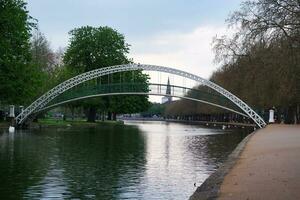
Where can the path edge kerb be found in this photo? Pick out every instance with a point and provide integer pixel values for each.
(210, 188)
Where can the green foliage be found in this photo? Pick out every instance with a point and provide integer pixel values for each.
(60, 74)
(18, 78)
(130, 103)
(155, 109)
(91, 48)
(61, 122)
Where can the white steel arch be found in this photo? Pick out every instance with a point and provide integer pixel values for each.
(70, 83)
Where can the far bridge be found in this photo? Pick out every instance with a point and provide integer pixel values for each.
(66, 92)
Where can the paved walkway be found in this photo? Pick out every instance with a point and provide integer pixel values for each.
(268, 168)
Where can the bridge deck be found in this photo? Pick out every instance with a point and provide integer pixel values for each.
(268, 167)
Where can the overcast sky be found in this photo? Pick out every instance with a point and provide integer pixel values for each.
(174, 33)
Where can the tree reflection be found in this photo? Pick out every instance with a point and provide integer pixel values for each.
(214, 149)
(97, 164)
(24, 161)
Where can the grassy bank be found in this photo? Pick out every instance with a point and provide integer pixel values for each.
(4, 125)
(59, 122)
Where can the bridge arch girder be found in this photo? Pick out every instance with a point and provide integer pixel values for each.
(139, 93)
(70, 83)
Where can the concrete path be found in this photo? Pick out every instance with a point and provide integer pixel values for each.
(268, 168)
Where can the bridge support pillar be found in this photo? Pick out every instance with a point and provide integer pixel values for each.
(11, 115)
(21, 109)
(11, 111)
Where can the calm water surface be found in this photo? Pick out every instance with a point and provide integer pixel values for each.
(138, 160)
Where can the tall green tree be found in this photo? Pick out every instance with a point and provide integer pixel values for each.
(96, 47)
(18, 78)
(90, 48)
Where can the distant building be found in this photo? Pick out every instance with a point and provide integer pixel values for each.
(167, 99)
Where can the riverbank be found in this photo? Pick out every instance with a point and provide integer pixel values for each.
(211, 186)
(4, 125)
(214, 124)
(51, 123)
(264, 166)
(48, 123)
(45, 123)
(194, 122)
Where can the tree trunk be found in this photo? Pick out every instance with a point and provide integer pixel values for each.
(35, 119)
(114, 116)
(72, 111)
(289, 115)
(103, 116)
(108, 115)
(298, 113)
(91, 115)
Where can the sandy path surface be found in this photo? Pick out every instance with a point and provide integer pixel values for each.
(268, 168)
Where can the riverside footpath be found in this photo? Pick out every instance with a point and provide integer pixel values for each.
(268, 167)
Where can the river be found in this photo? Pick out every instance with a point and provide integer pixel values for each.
(138, 160)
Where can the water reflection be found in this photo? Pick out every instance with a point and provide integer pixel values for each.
(140, 160)
(179, 155)
(96, 162)
(20, 164)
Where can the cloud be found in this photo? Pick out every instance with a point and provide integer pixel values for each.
(191, 51)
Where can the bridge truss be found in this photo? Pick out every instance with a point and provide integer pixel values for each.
(42, 102)
(142, 89)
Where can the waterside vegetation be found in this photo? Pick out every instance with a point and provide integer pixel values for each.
(260, 62)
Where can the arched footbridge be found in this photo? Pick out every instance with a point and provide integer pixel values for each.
(63, 93)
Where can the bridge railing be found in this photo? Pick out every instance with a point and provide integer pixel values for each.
(88, 91)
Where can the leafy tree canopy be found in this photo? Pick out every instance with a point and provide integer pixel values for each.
(18, 78)
(96, 47)
(92, 48)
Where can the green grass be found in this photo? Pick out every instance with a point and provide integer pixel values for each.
(4, 124)
(49, 122)
(60, 122)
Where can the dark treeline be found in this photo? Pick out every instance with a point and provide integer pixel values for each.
(260, 62)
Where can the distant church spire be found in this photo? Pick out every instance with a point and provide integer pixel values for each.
(168, 87)
(168, 91)
(167, 99)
